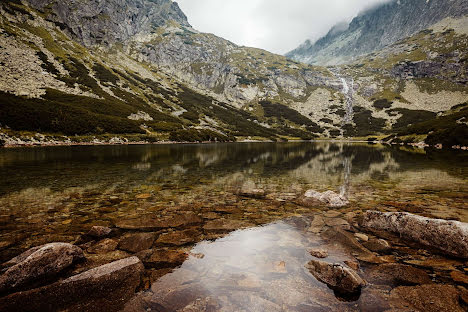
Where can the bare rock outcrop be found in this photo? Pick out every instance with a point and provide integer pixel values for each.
(448, 236)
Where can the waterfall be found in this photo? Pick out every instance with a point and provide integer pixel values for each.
(348, 92)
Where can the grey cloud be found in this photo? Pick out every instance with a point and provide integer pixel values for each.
(274, 25)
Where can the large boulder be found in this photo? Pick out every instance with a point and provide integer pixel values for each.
(338, 277)
(448, 236)
(105, 288)
(329, 198)
(41, 263)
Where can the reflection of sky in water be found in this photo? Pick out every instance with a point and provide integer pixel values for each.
(257, 269)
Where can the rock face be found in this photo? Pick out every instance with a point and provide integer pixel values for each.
(330, 198)
(339, 278)
(105, 22)
(377, 28)
(39, 263)
(448, 236)
(105, 288)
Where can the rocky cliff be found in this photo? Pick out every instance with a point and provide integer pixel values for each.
(377, 28)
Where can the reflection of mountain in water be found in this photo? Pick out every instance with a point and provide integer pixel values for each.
(319, 163)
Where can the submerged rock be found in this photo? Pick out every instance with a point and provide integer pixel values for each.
(318, 253)
(430, 298)
(161, 258)
(39, 263)
(137, 242)
(377, 245)
(398, 274)
(105, 288)
(99, 231)
(448, 236)
(338, 277)
(330, 198)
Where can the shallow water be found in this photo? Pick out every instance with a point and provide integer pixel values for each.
(247, 252)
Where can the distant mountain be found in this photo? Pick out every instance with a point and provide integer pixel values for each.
(377, 28)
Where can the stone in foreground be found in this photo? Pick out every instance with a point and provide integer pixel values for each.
(338, 277)
(448, 236)
(40, 263)
(105, 288)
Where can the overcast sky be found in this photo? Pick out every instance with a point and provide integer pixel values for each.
(274, 25)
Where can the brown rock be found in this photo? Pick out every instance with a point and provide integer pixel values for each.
(137, 242)
(448, 236)
(398, 274)
(339, 278)
(459, 277)
(223, 225)
(347, 241)
(41, 263)
(430, 298)
(161, 258)
(99, 231)
(106, 245)
(377, 245)
(151, 223)
(352, 264)
(105, 288)
(319, 253)
(179, 238)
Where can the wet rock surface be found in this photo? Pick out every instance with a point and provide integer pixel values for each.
(338, 277)
(40, 263)
(448, 236)
(105, 288)
(329, 198)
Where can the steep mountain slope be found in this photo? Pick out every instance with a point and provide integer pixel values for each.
(136, 68)
(377, 28)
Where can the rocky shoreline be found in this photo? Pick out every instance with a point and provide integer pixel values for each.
(387, 260)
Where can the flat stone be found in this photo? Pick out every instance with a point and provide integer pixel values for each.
(105, 288)
(341, 279)
(152, 223)
(428, 298)
(179, 238)
(319, 253)
(161, 258)
(104, 246)
(337, 222)
(398, 274)
(448, 236)
(137, 242)
(223, 225)
(347, 241)
(99, 231)
(41, 263)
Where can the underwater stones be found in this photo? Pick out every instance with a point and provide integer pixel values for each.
(398, 274)
(104, 246)
(448, 236)
(329, 198)
(341, 279)
(459, 277)
(179, 238)
(160, 258)
(99, 231)
(347, 241)
(250, 189)
(430, 298)
(223, 225)
(137, 242)
(319, 253)
(105, 288)
(151, 222)
(39, 263)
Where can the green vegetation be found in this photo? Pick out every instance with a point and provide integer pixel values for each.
(48, 66)
(366, 124)
(104, 74)
(382, 104)
(410, 117)
(283, 112)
